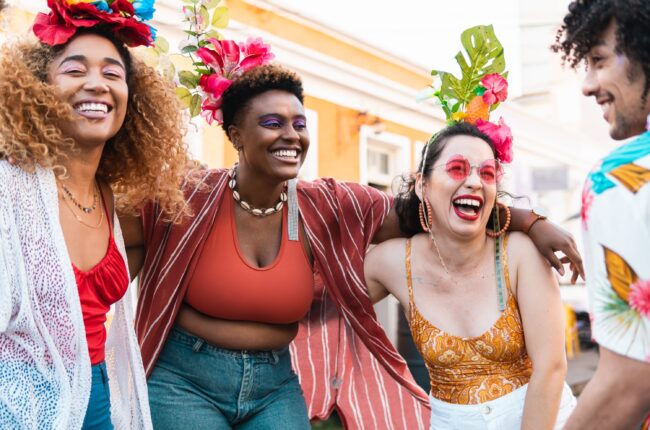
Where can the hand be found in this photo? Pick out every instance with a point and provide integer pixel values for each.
(548, 239)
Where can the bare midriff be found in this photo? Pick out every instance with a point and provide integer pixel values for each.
(231, 334)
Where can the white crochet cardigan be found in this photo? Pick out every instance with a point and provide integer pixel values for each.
(44, 363)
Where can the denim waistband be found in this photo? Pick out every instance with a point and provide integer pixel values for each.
(199, 344)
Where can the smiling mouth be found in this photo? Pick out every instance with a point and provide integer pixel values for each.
(467, 208)
(286, 153)
(92, 107)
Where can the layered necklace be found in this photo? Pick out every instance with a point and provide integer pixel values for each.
(259, 212)
(68, 197)
(498, 265)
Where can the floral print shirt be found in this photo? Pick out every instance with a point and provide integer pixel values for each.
(616, 231)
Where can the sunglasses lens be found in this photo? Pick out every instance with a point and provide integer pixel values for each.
(457, 168)
(490, 171)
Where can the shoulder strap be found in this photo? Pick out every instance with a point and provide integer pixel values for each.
(108, 218)
(506, 273)
(409, 281)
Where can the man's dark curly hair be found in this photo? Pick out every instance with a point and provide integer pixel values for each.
(253, 83)
(586, 21)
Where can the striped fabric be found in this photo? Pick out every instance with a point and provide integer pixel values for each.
(341, 354)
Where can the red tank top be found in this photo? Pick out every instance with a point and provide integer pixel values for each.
(99, 288)
(224, 285)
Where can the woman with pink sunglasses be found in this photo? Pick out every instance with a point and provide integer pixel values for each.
(483, 306)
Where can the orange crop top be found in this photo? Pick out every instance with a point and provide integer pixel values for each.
(476, 369)
(224, 285)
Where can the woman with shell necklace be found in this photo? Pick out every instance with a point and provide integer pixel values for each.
(267, 277)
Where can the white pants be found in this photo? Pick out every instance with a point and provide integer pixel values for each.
(504, 413)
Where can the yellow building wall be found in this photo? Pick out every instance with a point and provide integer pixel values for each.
(338, 141)
(325, 43)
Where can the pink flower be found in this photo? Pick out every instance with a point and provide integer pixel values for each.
(639, 297)
(214, 85)
(587, 201)
(256, 53)
(500, 135)
(496, 88)
(211, 111)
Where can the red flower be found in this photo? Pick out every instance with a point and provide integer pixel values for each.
(64, 19)
(496, 88)
(500, 135)
(124, 7)
(62, 22)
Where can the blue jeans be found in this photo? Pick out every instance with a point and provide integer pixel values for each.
(98, 414)
(197, 386)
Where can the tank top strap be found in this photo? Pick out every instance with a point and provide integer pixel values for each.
(409, 280)
(108, 218)
(506, 273)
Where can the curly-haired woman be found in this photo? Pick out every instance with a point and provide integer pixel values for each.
(83, 120)
(612, 38)
(264, 269)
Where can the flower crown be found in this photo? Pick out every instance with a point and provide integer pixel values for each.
(125, 18)
(481, 88)
(222, 61)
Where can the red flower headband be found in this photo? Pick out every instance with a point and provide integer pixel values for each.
(126, 18)
(480, 89)
(223, 62)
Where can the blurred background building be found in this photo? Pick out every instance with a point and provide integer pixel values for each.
(362, 63)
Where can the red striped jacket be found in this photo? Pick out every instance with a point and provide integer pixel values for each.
(341, 354)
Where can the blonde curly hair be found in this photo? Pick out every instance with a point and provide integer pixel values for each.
(147, 159)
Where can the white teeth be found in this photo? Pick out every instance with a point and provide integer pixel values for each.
(289, 153)
(468, 202)
(92, 107)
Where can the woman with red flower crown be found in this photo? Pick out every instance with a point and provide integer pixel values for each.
(267, 277)
(81, 118)
(510, 375)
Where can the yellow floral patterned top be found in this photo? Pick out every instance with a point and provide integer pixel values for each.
(476, 369)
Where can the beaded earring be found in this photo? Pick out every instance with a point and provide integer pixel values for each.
(429, 215)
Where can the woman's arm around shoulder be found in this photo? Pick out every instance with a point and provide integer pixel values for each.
(384, 268)
(538, 297)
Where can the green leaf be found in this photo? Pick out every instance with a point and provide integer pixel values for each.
(188, 79)
(213, 34)
(205, 16)
(191, 33)
(184, 96)
(189, 49)
(483, 54)
(169, 71)
(212, 4)
(220, 17)
(195, 105)
(161, 45)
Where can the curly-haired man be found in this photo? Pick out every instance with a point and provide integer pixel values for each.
(612, 37)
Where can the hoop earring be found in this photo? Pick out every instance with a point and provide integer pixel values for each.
(505, 226)
(429, 215)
